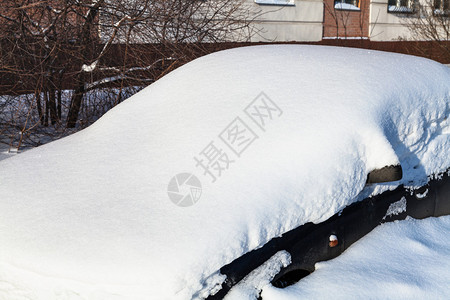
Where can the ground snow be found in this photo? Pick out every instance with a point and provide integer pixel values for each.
(5, 152)
(409, 259)
(90, 215)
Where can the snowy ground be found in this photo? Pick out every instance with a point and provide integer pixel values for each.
(402, 260)
(19, 120)
(4, 151)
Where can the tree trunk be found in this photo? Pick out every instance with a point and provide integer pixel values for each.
(52, 105)
(75, 105)
(46, 111)
(58, 106)
(85, 42)
(37, 95)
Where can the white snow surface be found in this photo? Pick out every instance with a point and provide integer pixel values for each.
(89, 68)
(396, 208)
(89, 217)
(407, 259)
(6, 151)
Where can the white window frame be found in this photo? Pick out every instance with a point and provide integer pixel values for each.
(347, 5)
(443, 8)
(401, 6)
(276, 2)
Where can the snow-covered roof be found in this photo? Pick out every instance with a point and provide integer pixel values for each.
(264, 138)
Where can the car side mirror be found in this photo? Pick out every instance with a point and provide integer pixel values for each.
(385, 174)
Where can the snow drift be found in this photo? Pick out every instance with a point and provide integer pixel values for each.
(267, 137)
(408, 259)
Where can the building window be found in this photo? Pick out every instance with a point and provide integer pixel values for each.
(442, 7)
(401, 6)
(346, 4)
(276, 2)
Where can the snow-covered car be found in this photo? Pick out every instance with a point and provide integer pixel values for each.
(234, 163)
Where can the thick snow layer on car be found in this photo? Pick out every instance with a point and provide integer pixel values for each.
(403, 260)
(264, 139)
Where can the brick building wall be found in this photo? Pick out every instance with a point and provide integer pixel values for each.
(344, 23)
